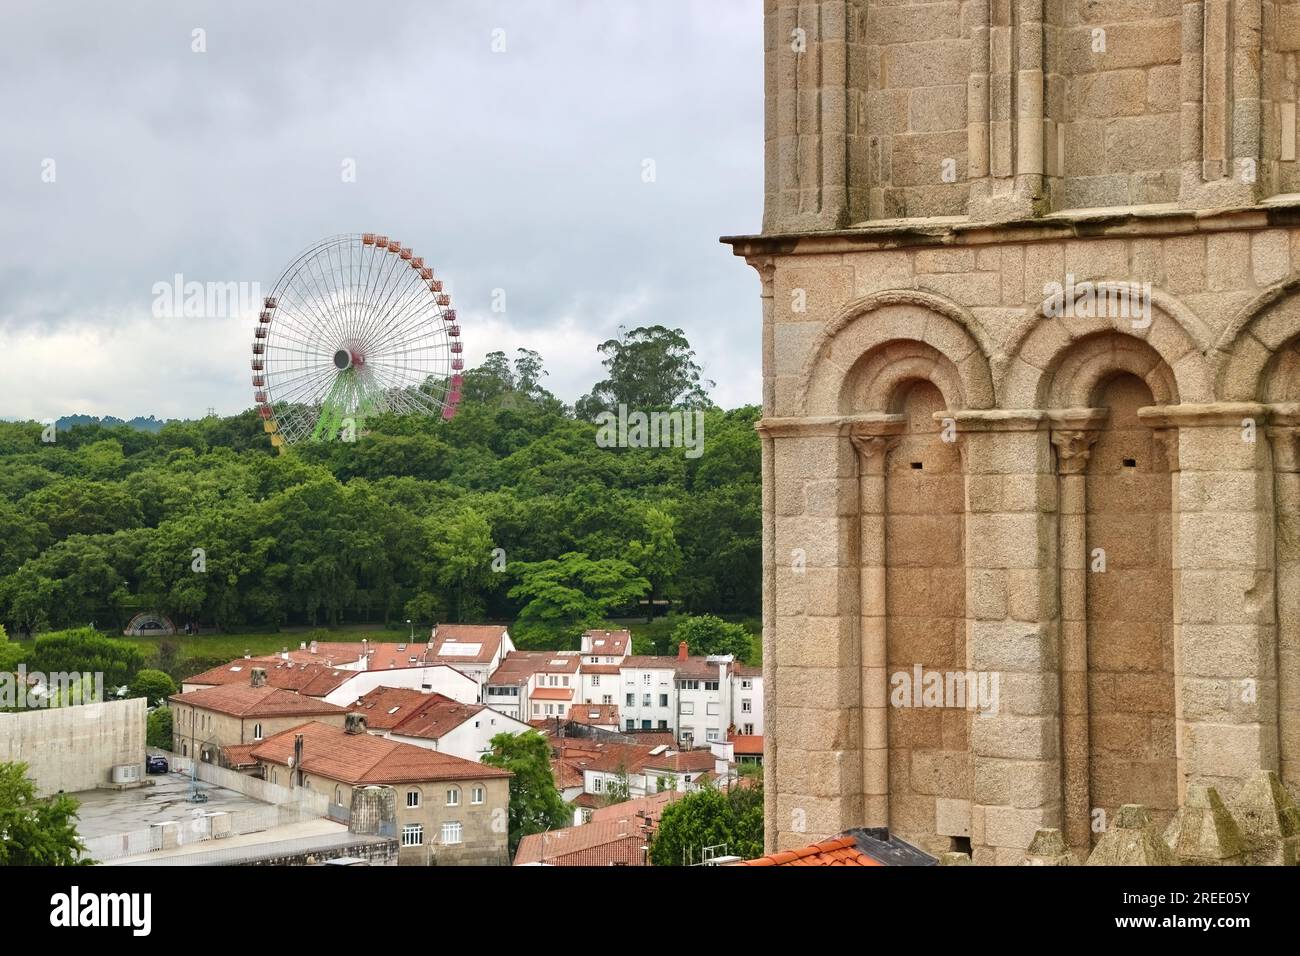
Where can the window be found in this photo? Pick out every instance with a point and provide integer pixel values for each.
(561, 706)
(550, 709)
(412, 799)
(595, 680)
(476, 723)
(746, 684)
(565, 680)
(413, 835)
(607, 698)
(746, 707)
(645, 725)
(257, 731)
(537, 709)
(663, 725)
(711, 707)
(663, 700)
(711, 734)
(453, 796)
(586, 815)
(688, 707)
(690, 685)
(710, 685)
(597, 784)
(338, 796)
(645, 700)
(645, 679)
(451, 832)
(747, 730)
(477, 795)
(631, 724)
(631, 700)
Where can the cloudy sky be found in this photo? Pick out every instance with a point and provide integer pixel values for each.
(520, 170)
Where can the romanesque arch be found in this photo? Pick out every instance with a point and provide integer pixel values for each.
(866, 326)
(888, 365)
(1176, 335)
(1246, 351)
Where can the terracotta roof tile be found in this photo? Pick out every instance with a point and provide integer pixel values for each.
(386, 707)
(357, 759)
(244, 700)
(313, 680)
(841, 851)
(613, 842)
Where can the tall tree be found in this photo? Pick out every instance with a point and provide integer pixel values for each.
(36, 832)
(571, 594)
(706, 634)
(647, 368)
(535, 803)
(710, 817)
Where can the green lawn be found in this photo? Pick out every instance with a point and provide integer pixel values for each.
(230, 646)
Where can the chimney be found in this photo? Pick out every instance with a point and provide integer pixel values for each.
(302, 645)
(681, 651)
(314, 646)
(433, 634)
(248, 655)
(284, 653)
(354, 724)
(259, 676)
(295, 778)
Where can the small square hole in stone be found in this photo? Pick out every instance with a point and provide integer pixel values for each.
(1130, 462)
(916, 466)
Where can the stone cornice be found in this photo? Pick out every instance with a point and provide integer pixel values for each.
(1203, 416)
(798, 427)
(1132, 222)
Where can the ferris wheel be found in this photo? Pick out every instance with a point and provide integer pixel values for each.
(357, 325)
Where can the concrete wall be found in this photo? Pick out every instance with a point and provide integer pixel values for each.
(75, 748)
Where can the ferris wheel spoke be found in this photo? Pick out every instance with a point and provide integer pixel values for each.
(357, 331)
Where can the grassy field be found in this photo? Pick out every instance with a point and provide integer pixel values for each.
(230, 646)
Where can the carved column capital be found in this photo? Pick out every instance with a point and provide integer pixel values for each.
(1073, 446)
(872, 450)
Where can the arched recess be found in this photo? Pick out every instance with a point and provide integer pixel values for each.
(927, 731)
(1280, 387)
(910, 315)
(1176, 334)
(1115, 554)
(1253, 338)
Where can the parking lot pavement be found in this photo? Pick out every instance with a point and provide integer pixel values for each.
(110, 812)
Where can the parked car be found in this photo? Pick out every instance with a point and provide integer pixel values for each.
(156, 764)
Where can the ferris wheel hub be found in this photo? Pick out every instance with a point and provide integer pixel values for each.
(343, 359)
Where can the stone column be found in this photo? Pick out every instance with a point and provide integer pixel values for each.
(1221, 99)
(1011, 610)
(1225, 642)
(806, 52)
(811, 662)
(1284, 438)
(873, 442)
(1073, 440)
(1005, 98)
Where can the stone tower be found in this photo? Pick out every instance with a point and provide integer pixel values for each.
(1031, 395)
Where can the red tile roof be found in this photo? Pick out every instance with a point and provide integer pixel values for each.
(357, 759)
(652, 806)
(684, 761)
(608, 643)
(462, 638)
(552, 693)
(600, 669)
(436, 718)
(841, 851)
(747, 744)
(613, 842)
(518, 666)
(386, 707)
(311, 680)
(594, 714)
(567, 773)
(244, 700)
(239, 755)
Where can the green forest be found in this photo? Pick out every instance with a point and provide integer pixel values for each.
(510, 512)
